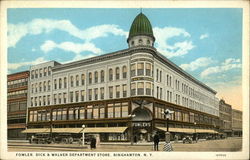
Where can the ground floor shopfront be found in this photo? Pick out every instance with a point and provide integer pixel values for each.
(134, 119)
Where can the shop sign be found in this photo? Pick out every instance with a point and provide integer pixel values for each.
(142, 124)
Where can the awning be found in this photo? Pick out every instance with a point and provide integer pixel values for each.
(105, 130)
(180, 130)
(66, 130)
(36, 130)
(206, 131)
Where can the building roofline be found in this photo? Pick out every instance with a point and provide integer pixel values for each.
(12, 74)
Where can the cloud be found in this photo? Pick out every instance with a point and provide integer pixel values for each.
(200, 62)
(38, 26)
(77, 48)
(203, 36)
(13, 66)
(177, 49)
(227, 65)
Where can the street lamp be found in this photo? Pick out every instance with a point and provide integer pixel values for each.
(195, 132)
(131, 133)
(83, 127)
(167, 114)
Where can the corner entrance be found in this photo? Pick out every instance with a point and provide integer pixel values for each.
(141, 125)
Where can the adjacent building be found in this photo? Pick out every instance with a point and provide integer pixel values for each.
(236, 122)
(225, 118)
(120, 95)
(17, 104)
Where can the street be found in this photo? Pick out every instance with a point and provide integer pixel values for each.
(229, 144)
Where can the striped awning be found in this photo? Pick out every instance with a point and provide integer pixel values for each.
(36, 130)
(180, 130)
(66, 130)
(105, 130)
(187, 130)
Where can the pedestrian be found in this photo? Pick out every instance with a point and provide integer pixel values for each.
(156, 142)
(135, 139)
(92, 143)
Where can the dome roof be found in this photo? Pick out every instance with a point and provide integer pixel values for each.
(141, 26)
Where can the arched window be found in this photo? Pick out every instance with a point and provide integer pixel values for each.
(124, 72)
(40, 87)
(49, 70)
(77, 80)
(83, 79)
(44, 86)
(96, 77)
(49, 85)
(140, 41)
(71, 81)
(102, 76)
(90, 78)
(60, 83)
(110, 74)
(65, 82)
(117, 73)
(55, 84)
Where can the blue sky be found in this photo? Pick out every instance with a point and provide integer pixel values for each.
(207, 43)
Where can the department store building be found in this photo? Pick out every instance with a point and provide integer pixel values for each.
(120, 95)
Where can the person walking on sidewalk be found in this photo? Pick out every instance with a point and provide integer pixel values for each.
(156, 142)
(92, 143)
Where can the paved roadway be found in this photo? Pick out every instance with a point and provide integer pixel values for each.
(229, 144)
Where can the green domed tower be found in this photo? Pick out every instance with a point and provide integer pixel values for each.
(141, 32)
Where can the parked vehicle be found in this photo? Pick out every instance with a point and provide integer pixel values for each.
(187, 139)
(63, 138)
(41, 138)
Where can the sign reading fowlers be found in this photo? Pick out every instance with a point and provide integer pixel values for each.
(142, 78)
(142, 124)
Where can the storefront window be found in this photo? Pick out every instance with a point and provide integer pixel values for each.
(102, 111)
(110, 111)
(117, 110)
(59, 114)
(54, 114)
(125, 109)
(96, 112)
(89, 111)
(31, 116)
(39, 116)
(48, 115)
(64, 114)
(82, 113)
(191, 117)
(71, 113)
(35, 116)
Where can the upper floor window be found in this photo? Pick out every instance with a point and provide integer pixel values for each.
(49, 70)
(140, 41)
(148, 88)
(111, 92)
(60, 83)
(133, 70)
(140, 69)
(96, 77)
(102, 92)
(110, 74)
(140, 90)
(117, 91)
(36, 73)
(117, 73)
(55, 84)
(148, 69)
(71, 81)
(96, 93)
(32, 74)
(124, 72)
(124, 90)
(40, 87)
(83, 79)
(157, 74)
(44, 86)
(77, 80)
(90, 78)
(49, 85)
(133, 89)
(40, 73)
(90, 94)
(45, 71)
(65, 82)
(102, 76)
